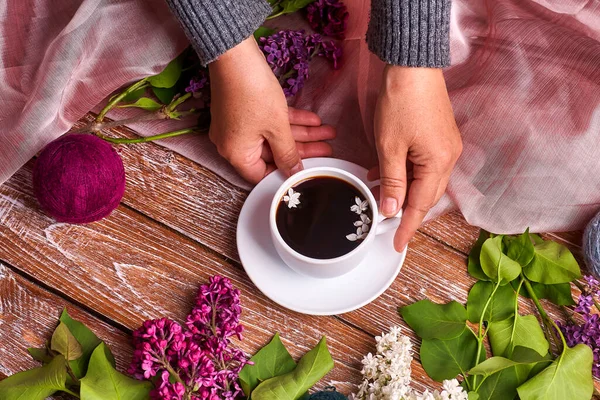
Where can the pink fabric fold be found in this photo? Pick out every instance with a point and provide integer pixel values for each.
(524, 84)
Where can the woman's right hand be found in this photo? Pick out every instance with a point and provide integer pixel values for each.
(251, 124)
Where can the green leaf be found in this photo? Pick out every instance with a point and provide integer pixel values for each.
(263, 31)
(270, 361)
(291, 6)
(527, 333)
(496, 264)
(537, 368)
(165, 95)
(445, 359)
(535, 238)
(104, 382)
(501, 305)
(473, 396)
(474, 265)
(313, 366)
(133, 96)
(435, 321)
(523, 355)
(63, 342)
(144, 103)
(553, 263)
(559, 294)
(500, 386)
(568, 377)
(168, 77)
(37, 383)
(86, 339)
(521, 249)
(40, 354)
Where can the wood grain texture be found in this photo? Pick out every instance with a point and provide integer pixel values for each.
(435, 267)
(29, 315)
(177, 226)
(129, 268)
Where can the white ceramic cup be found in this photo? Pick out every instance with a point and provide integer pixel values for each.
(333, 267)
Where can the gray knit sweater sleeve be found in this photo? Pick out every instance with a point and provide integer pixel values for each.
(412, 33)
(215, 26)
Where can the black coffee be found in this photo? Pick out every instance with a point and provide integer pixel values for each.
(323, 217)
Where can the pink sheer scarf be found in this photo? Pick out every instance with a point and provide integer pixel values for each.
(524, 84)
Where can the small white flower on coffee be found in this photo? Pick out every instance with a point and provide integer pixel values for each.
(364, 220)
(360, 206)
(292, 198)
(353, 237)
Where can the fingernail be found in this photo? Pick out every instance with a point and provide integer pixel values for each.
(297, 168)
(389, 206)
(401, 247)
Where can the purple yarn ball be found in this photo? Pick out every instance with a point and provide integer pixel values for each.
(591, 245)
(79, 179)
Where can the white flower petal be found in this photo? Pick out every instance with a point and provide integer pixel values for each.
(359, 231)
(362, 236)
(352, 237)
(365, 228)
(357, 201)
(358, 223)
(355, 209)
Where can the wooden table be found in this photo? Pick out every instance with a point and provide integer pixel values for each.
(174, 228)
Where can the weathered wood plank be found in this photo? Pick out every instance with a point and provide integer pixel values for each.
(29, 315)
(129, 268)
(432, 269)
(181, 194)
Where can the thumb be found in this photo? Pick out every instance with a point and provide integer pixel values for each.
(285, 152)
(392, 170)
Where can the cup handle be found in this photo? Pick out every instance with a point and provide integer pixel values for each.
(386, 224)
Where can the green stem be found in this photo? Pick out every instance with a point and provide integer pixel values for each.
(149, 138)
(112, 103)
(480, 335)
(175, 103)
(71, 374)
(70, 392)
(273, 16)
(172, 372)
(547, 320)
(582, 288)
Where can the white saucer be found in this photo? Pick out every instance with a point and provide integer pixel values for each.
(298, 292)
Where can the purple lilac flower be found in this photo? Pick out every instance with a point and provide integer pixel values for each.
(154, 344)
(167, 390)
(197, 83)
(588, 332)
(584, 304)
(289, 53)
(197, 362)
(329, 17)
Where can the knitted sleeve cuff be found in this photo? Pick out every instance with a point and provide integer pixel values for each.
(412, 33)
(215, 26)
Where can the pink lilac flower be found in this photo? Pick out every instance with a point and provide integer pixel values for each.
(328, 17)
(198, 362)
(290, 52)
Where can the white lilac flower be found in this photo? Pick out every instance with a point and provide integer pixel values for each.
(364, 222)
(292, 198)
(360, 206)
(387, 374)
(362, 227)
